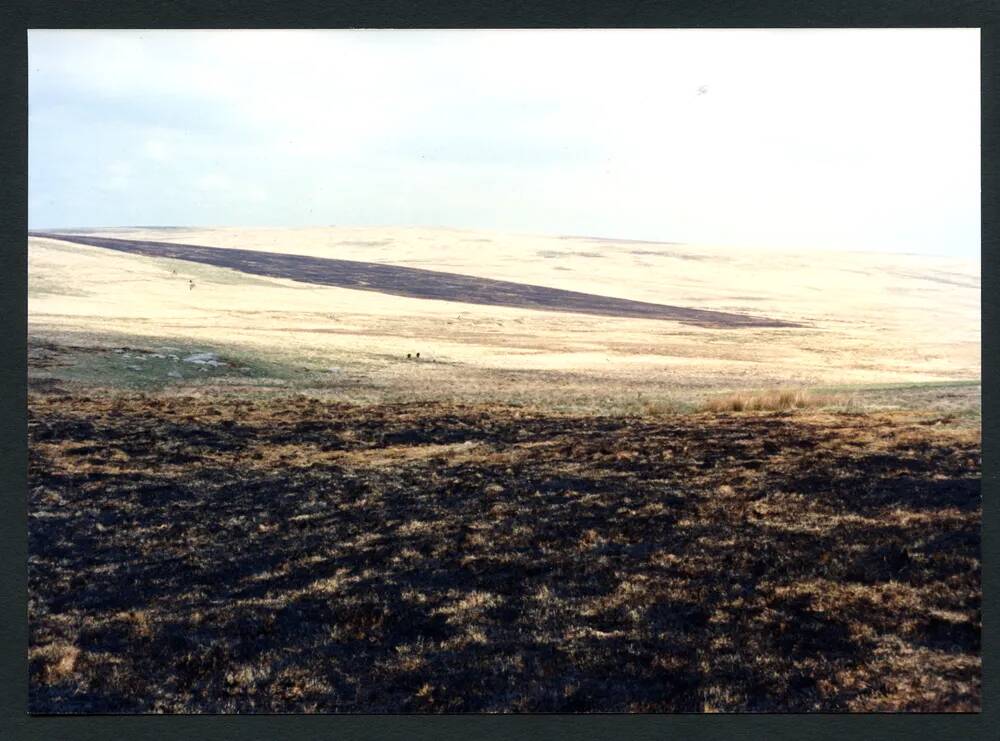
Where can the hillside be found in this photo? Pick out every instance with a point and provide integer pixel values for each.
(862, 318)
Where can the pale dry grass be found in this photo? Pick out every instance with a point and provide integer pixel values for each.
(777, 400)
(54, 662)
(864, 318)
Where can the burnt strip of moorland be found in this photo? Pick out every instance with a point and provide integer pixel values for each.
(191, 555)
(420, 283)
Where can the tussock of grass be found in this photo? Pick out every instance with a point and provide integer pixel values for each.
(771, 401)
(663, 408)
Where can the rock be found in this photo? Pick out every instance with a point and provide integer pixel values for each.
(204, 358)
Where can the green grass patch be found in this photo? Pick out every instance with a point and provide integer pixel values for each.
(914, 386)
(151, 363)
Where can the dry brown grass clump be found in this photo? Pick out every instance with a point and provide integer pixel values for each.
(53, 662)
(778, 400)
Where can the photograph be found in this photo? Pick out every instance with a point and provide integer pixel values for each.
(510, 371)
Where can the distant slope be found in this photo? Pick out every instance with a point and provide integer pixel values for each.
(420, 283)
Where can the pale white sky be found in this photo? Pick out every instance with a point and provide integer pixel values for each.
(840, 139)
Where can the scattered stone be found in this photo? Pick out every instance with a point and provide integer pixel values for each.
(204, 358)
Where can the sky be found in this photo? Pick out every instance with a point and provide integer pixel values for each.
(808, 139)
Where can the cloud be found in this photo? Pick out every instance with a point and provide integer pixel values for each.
(118, 176)
(155, 147)
(214, 181)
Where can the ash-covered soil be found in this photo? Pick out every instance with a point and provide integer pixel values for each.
(289, 555)
(397, 280)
